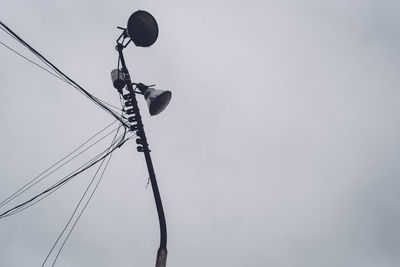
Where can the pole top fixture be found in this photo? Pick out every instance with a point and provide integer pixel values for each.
(142, 28)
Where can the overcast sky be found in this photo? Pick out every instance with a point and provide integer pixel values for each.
(280, 146)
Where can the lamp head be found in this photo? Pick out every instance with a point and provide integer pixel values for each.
(157, 100)
(142, 28)
(118, 79)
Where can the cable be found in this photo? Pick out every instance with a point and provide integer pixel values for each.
(38, 65)
(80, 214)
(32, 182)
(55, 75)
(33, 62)
(76, 85)
(38, 176)
(111, 106)
(62, 166)
(64, 180)
(61, 182)
(48, 191)
(51, 192)
(15, 38)
(77, 207)
(17, 210)
(27, 206)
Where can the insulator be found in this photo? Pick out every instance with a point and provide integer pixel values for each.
(140, 149)
(132, 119)
(128, 96)
(130, 111)
(139, 141)
(139, 133)
(129, 103)
(133, 127)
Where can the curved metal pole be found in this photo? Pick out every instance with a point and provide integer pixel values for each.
(162, 251)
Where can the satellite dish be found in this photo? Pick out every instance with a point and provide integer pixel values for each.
(142, 28)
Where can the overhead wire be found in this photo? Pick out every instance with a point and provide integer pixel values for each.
(101, 157)
(31, 61)
(63, 181)
(63, 75)
(38, 178)
(87, 163)
(51, 192)
(48, 71)
(78, 205)
(54, 71)
(4, 28)
(37, 198)
(80, 214)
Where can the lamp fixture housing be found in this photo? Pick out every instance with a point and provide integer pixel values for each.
(142, 28)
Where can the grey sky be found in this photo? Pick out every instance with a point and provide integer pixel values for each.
(280, 146)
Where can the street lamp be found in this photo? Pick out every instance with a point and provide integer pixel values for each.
(142, 30)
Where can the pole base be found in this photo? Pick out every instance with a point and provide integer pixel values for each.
(161, 260)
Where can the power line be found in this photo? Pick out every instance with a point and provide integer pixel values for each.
(51, 192)
(63, 181)
(63, 75)
(80, 214)
(29, 48)
(36, 180)
(39, 180)
(53, 188)
(31, 61)
(48, 71)
(23, 207)
(77, 207)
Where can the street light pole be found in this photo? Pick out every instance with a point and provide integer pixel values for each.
(144, 147)
(142, 30)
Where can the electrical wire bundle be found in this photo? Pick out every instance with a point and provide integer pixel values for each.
(53, 70)
(103, 158)
(38, 180)
(81, 206)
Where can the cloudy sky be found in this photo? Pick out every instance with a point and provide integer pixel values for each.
(280, 146)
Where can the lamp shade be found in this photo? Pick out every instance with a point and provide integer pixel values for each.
(157, 100)
(142, 28)
(118, 79)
